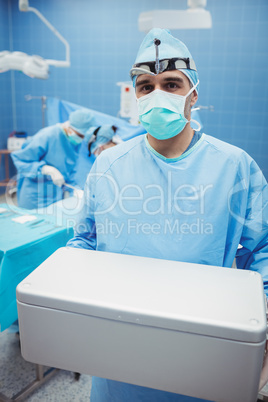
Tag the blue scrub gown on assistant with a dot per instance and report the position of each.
(196, 208)
(83, 165)
(50, 146)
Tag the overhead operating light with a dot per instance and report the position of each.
(195, 17)
(34, 66)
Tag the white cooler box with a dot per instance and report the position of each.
(185, 328)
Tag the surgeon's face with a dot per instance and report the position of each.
(109, 144)
(174, 82)
(71, 131)
(170, 81)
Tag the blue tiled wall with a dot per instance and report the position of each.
(6, 123)
(104, 38)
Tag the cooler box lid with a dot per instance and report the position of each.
(200, 299)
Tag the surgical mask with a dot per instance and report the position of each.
(162, 113)
(74, 138)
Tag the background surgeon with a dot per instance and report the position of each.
(48, 160)
(100, 138)
(197, 197)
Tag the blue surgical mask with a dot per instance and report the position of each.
(162, 113)
(74, 138)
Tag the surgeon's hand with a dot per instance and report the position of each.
(264, 372)
(54, 173)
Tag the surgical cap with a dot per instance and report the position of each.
(169, 48)
(90, 132)
(104, 135)
(81, 120)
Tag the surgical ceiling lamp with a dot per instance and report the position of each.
(34, 66)
(195, 17)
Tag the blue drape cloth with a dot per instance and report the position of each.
(58, 111)
(23, 247)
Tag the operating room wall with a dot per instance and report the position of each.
(104, 38)
(6, 123)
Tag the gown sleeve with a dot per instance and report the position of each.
(30, 159)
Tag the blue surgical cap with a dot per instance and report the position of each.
(90, 132)
(104, 135)
(81, 120)
(169, 48)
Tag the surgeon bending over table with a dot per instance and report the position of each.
(173, 193)
(48, 160)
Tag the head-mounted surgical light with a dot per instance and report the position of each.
(150, 67)
(160, 52)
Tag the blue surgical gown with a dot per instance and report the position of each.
(198, 208)
(50, 146)
(83, 165)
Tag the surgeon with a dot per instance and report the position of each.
(174, 193)
(100, 138)
(48, 160)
